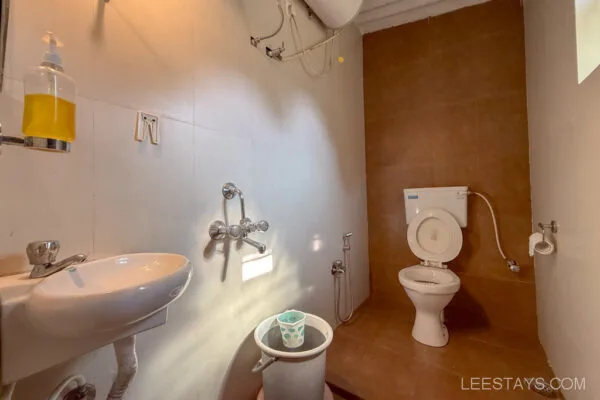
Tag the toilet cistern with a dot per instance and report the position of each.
(42, 255)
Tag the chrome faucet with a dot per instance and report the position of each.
(219, 230)
(42, 256)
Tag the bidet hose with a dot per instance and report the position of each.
(7, 391)
(347, 290)
(497, 233)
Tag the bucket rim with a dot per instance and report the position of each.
(328, 333)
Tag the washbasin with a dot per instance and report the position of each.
(107, 294)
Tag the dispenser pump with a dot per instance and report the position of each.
(52, 58)
(50, 94)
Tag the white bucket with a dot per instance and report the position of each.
(293, 375)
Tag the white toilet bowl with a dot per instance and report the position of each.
(430, 289)
(435, 237)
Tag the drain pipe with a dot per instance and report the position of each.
(74, 387)
(127, 367)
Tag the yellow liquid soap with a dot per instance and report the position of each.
(49, 117)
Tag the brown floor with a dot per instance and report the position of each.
(375, 357)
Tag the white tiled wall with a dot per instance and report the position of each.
(295, 145)
(564, 132)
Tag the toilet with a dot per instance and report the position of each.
(434, 235)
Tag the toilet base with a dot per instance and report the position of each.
(430, 329)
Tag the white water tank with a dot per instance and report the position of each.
(335, 13)
(452, 199)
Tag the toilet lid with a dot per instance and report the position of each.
(434, 235)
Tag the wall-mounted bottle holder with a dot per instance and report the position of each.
(35, 143)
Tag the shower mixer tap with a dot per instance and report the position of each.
(219, 230)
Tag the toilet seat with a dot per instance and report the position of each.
(429, 280)
(434, 236)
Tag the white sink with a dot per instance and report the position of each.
(107, 294)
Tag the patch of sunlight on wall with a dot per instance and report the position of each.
(587, 19)
(254, 266)
(317, 243)
(218, 321)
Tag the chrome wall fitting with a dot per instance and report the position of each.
(338, 268)
(219, 230)
(552, 226)
(275, 54)
(229, 191)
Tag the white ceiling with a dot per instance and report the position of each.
(381, 14)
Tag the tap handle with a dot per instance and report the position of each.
(43, 252)
(262, 226)
(217, 230)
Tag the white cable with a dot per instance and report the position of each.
(312, 47)
(494, 221)
(305, 56)
(303, 52)
(276, 32)
(7, 391)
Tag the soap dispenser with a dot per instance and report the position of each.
(49, 114)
